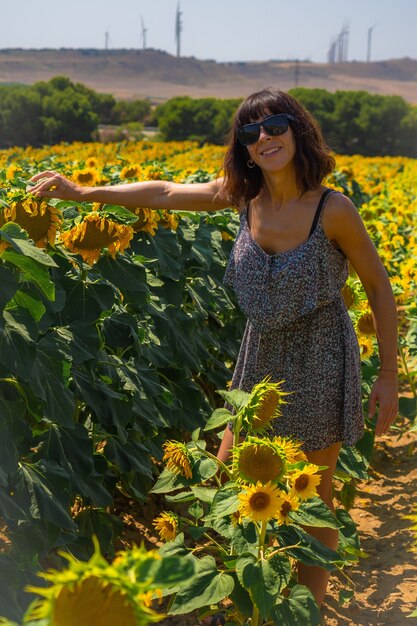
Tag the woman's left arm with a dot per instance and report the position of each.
(344, 226)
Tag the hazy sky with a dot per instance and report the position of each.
(224, 30)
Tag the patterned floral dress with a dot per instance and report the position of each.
(298, 330)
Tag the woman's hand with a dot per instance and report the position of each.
(50, 184)
(385, 394)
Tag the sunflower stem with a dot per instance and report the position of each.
(262, 535)
(407, 371)
(220, 463)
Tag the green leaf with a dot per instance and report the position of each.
(345, 596)
(261, 581)
(49, 379)
(17, 349)
(123, 215)
(218, 418)
(236, 398)
(314, 512)
(310, 551)
(32, 271)
(21, 299)
(125, 273)
(9, 233)
(299, 609)
(174, 547)
(205, 494)
(225, 502)
(207, 587)
(196, 510)
(45, 503)
(353, 463)
(9, 285)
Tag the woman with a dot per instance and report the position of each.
(287, 267)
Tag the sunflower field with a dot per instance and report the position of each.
(115, 334)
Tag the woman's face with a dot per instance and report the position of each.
(272, 153)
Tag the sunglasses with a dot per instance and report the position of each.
(273, 125)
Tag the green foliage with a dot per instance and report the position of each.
(97, 366)
(204, 119)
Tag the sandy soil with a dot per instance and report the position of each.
(385, 583)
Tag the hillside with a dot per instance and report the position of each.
(158, 75)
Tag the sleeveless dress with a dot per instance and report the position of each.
(298, 330)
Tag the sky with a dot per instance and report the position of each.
(223, 30)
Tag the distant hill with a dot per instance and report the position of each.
(158, 75)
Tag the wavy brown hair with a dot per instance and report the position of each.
(313, 161)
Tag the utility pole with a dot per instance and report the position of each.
(144, 31)
(106, 40)
(178, 29)
(368, 51)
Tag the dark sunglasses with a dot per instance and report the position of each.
(272, 125)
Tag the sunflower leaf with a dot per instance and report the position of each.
(218, 418)
(298, 609)
(314, 512)
(237, 398)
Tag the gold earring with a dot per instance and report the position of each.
(251, 164)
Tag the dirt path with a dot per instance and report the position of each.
(386, 581)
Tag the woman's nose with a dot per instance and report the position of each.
(262, 133)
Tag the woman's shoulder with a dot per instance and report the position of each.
(339, 213)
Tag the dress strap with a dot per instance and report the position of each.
(318, 210)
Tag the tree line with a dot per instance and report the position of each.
(353, 122)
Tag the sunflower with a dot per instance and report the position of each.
(147, 221)
(178, 458)
(365, 324)
(291, 448)
(91, 162)
(40, 220)
(366, 346)
(130, 171)
(259, 461)
(95, 592)
(288, 503)
(169, 220)
(263, 406)
(167, 525)
(304, 482)
(94, 233)
(260, 502)
(89, 176)
(348, 296)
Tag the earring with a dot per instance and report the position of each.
(251, 164)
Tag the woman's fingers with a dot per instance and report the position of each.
(42, 175)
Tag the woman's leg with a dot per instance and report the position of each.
(316, 578)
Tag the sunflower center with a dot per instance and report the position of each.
(260, 464)
(301, 482)
(259, 501)
(366, 324)
(285, 508)
(85, 177)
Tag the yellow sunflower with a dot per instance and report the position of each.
(260, 502)
(95, 592)
(259, 461)
(89, 176)
(167, 525)
(291, 448)
(93, 233)
(366, 346)
(130, 171)
(147, 221)
(304, 482)
(263, 406)
(169, 220)
(348, 296)
(288, 503)
(40, 220)
(178, 458)
(365, 324)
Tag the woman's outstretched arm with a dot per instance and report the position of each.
(153, 194)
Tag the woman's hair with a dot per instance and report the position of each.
(312, 160)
